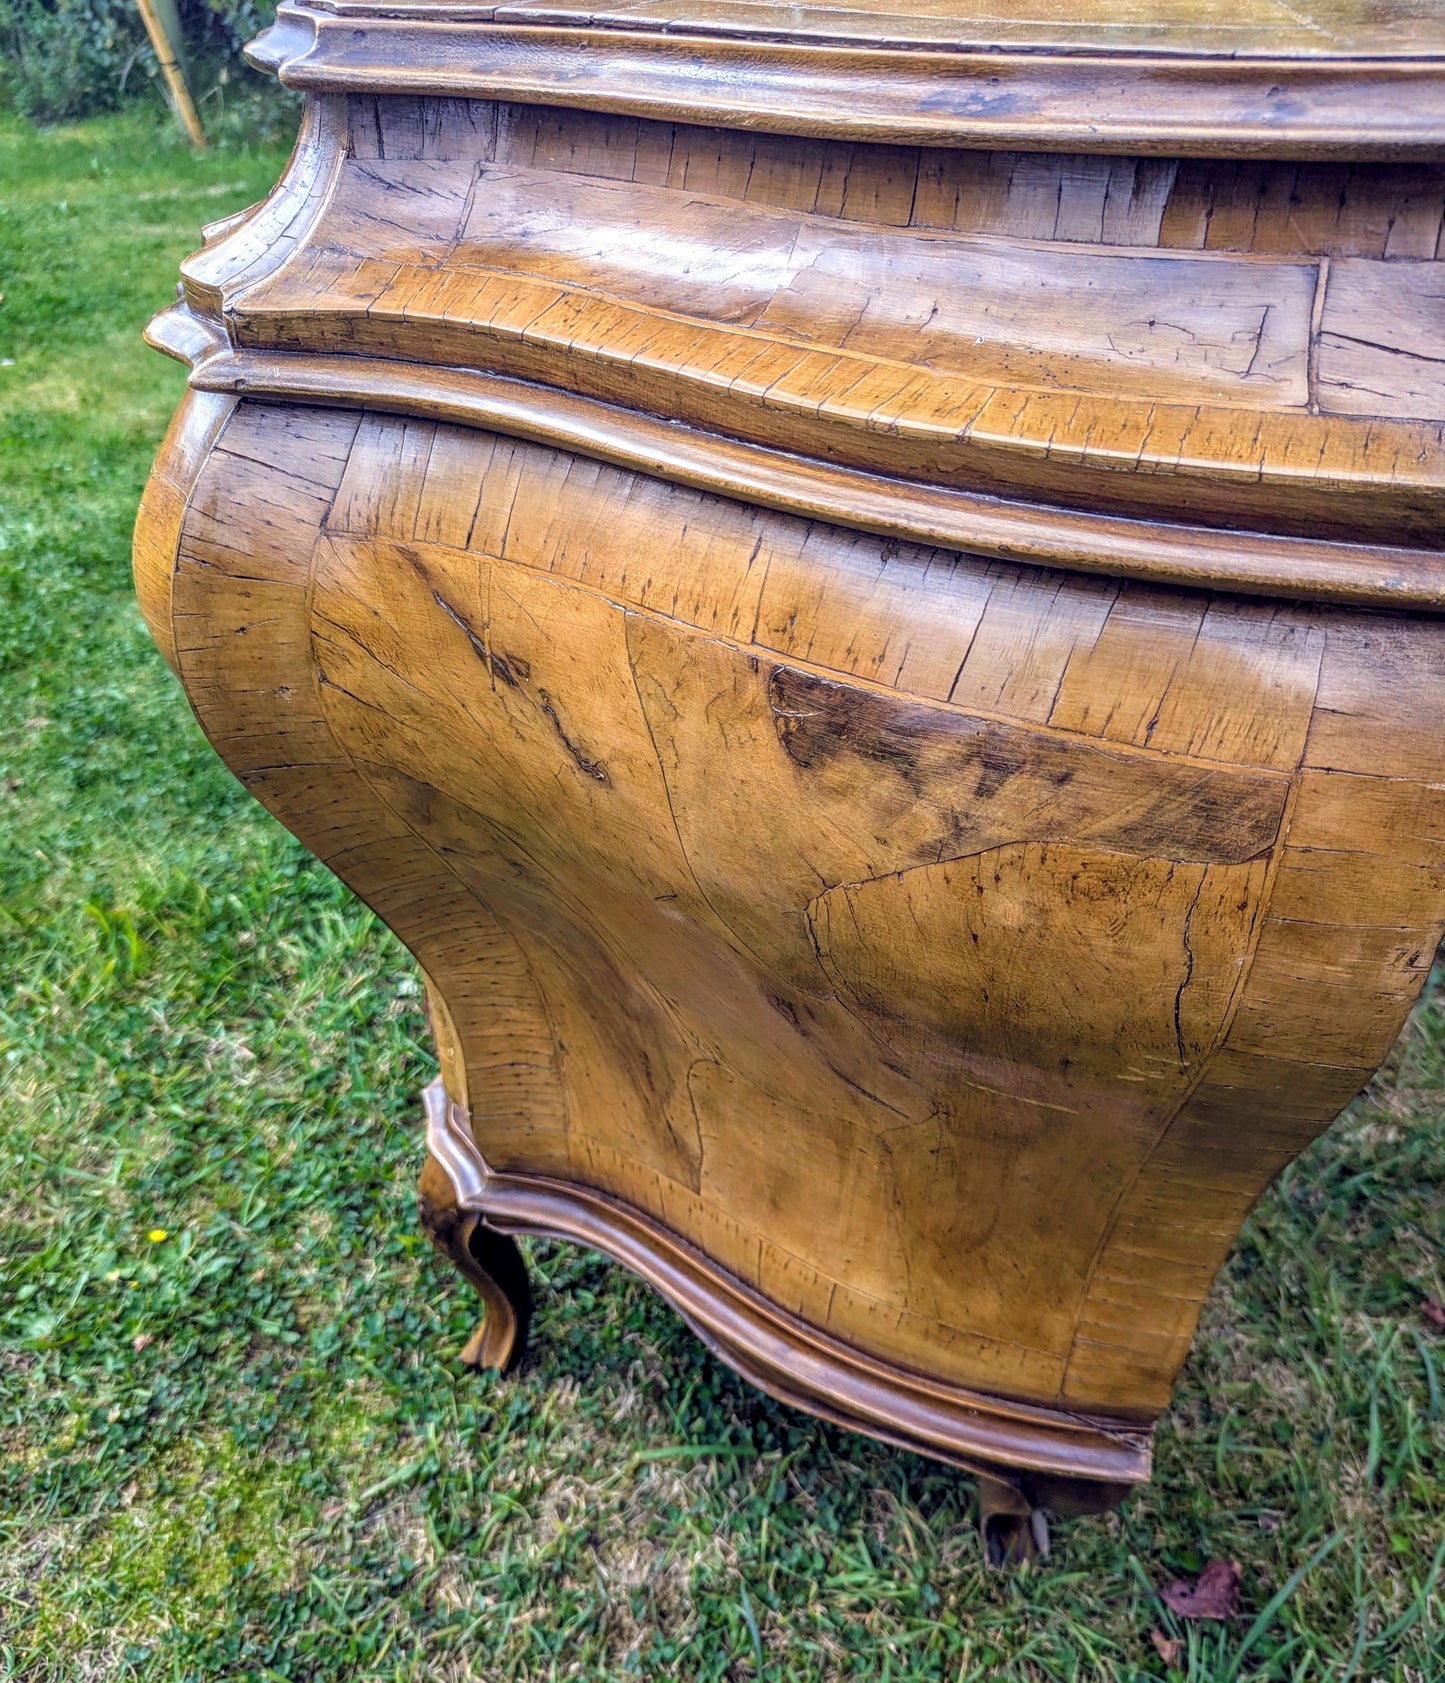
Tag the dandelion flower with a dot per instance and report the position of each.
(156, 1234)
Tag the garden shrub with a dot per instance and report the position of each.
(67, 59)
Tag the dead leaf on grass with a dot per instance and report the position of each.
(1169, 1648)
(1434, 1313)
(1214, 1595)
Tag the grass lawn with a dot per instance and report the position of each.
(235, 1440)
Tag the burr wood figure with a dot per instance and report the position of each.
(862, 589)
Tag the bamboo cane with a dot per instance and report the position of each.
(175, 77)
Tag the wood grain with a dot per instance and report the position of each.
(879, 642)
(1214, 387)
(556, 724)
(1287, 93)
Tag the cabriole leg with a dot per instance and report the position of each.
(1014, 1530)
(490, 1261)
(1013, 1510)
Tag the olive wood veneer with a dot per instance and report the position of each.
(894, 687)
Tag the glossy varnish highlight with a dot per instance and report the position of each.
(894, 691)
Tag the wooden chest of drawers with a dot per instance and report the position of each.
(862, 590)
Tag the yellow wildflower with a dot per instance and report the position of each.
(156, 1234)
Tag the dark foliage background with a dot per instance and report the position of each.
(67, 59)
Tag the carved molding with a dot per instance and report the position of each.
(791, 1361)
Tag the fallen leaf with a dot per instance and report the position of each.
(1434, 1313)
(1169, 1648)
(141, 1339)
(1214, 1595)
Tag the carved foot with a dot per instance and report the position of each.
(1014, 1530)
(1013, 1510)
(490, 1261)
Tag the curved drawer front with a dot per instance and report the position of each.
(954, 322)
(894, 690)
(950, 950)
